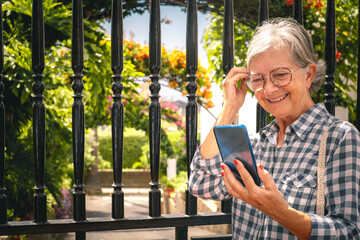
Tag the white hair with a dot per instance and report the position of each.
(286, 32)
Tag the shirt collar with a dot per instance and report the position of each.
(301, 127)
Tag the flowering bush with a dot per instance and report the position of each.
(64, 209)
(314, 12)
(173, 67)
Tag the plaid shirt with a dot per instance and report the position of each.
(293, 168)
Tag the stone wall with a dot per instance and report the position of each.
(132, 178)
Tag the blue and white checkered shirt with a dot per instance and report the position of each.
(293, 167)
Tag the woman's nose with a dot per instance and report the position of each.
(269, 86)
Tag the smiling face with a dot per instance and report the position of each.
(289, 102)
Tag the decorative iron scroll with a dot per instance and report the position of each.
(117, 108)
(38, 63)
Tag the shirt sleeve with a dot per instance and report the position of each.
(205, 179)
(342, 189)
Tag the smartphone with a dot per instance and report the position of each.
(234, 143)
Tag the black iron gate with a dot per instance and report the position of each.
(80, 224)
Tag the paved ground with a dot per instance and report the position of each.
(136, 203)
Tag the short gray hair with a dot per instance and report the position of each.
(286, 32)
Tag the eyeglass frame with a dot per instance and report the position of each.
(248, 79)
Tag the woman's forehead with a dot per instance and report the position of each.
(271, 59)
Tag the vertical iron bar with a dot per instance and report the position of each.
(78, 118)
(298, 11)
(263, 11)
(228, 37)
(38, 59)
(228, 62)
(330, 56)
(191, 86)
(261, 114)
(3, 197)
(357, 121)
(117, 108)
(154, 108)
(181, 233)
(80, 235)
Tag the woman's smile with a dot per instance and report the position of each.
(278, 99)
(288, 102)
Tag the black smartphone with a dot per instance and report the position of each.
(234, 143)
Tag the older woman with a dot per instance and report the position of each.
(283, 70)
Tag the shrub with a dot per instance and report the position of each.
(133, 141)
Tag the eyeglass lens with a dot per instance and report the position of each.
(279, 76)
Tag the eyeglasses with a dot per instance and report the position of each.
(280, 77)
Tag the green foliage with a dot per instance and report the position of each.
(19, 162)
(133, 141)
(314, 21)
(213, 44)
(178, 182)
(173, 146)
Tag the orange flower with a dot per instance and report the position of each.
(177, 59)
(208, 95)
(207, 82)
(209, 104)
(67, 79)
(62, 52)
(338, 55)
(173, 84)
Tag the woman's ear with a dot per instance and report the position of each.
(310, 75)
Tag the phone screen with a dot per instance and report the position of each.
(234, 143)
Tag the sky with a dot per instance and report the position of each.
(173, 35)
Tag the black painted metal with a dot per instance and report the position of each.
(216, 237)
(228, 61)
(79, 223)
(38, 63)
(117, 108)
(106, 224)
(298, 11)
(191, 86)
(78, 118)
(228, 37)
(357, 121)
(263, 11)
(154, 109)
(261, 114)
(181, 233)
(330, 56)
(3, 197)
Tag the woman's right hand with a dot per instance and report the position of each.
(233, 99)
(234, 96)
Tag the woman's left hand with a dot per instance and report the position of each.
(266, 198)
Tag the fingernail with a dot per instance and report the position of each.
(236, 162)
(222, 173)
(261, 167)
(222, 166)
